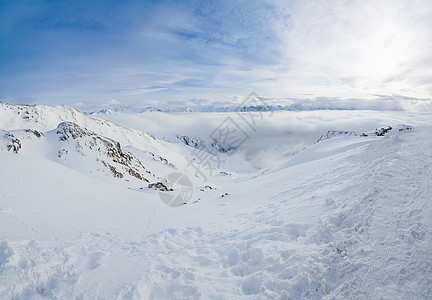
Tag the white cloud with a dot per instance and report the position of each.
(361, 47)
(160, 51)
(111, 102)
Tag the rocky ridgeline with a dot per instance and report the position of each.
(108, 152)
(191, 142)
(70, 142)
(215, 146)
(383, 131)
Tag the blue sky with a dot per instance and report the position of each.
(101, 53)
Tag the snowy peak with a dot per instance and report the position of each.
(41, 117)
(68, 130)
(124, 110)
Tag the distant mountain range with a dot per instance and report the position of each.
(210, 108)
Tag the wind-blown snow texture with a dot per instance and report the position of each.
(346, 218)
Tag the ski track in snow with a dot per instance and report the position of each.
(372, 241)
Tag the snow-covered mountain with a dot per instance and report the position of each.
(347, 217)
(79, 149)
(92, 146)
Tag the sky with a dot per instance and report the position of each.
(155, 53)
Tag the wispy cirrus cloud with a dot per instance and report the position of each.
(142, 51)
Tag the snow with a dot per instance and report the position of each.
(346, 218)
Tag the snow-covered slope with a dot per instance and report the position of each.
(347, 218)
